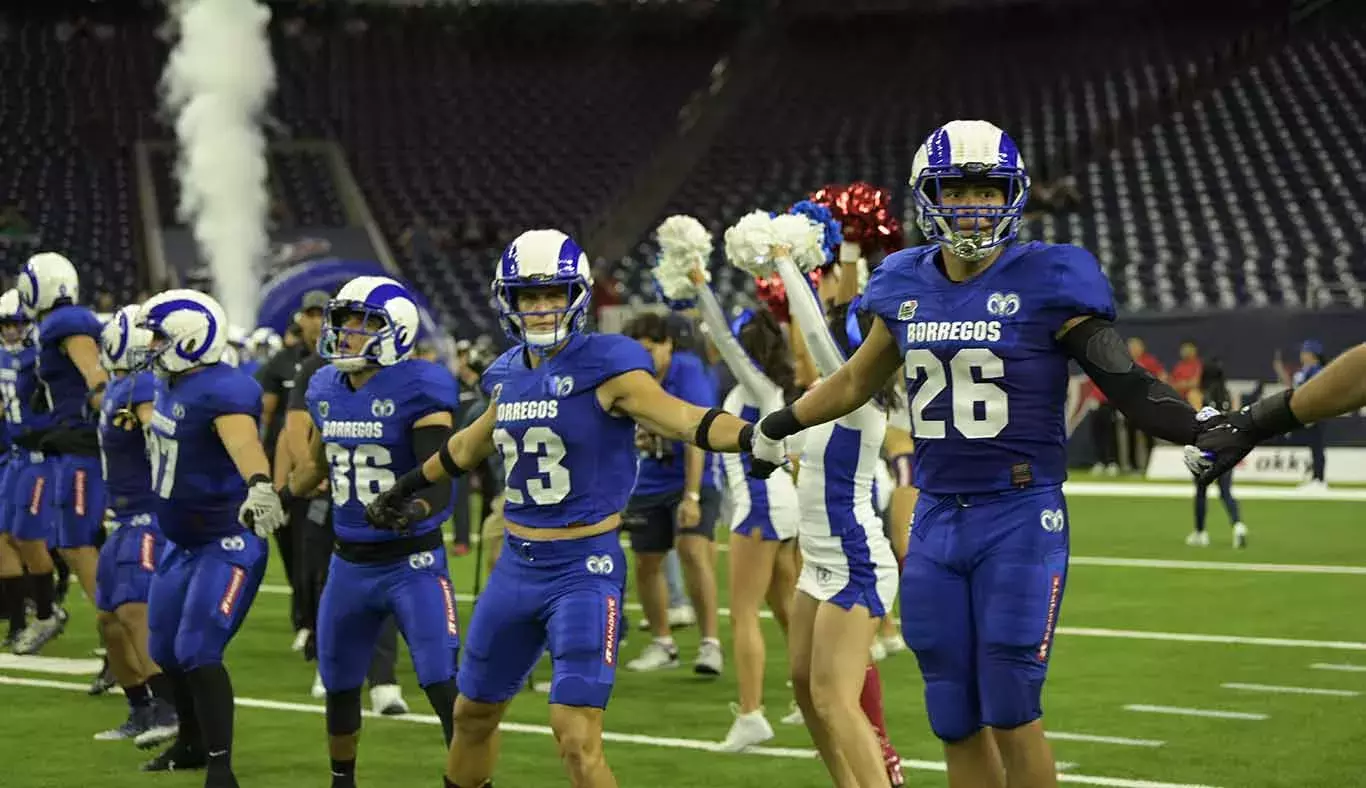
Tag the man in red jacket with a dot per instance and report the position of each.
(1141, 444)
(1187, 373)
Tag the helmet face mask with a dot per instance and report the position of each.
(970, 187)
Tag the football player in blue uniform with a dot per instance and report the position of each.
(73, 383)
(561, 418)
(209, 471)
(984, 329)
(128, 559)
(379, 414)
(25, 516)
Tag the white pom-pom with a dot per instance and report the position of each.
(804, 237)
(749, 244)
(684, 245)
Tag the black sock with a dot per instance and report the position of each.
(160, 687)
(42, 594)
(214, 702)
(343, 773)
(15, 589)
(138, 695)
(189, 736)
(442, 696)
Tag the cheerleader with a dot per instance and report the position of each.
(763, 513)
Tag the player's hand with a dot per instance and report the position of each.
(111, 523)
(393, 512)
(689, 513)
(262, 511)
(1223, 441)
(768, 455)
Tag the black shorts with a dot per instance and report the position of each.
(651, 519)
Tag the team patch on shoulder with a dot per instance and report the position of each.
(907, 309)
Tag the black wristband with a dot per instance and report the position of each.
(781, 423)
(1272, 416)
(746, 439)
(257, 478)
(702, 438)
(448, 463)
(411, 483)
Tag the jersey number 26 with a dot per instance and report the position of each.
(960, 376)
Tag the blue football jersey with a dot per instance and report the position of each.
(66, 387)
(985, 376)
(123, 448)
(687, 379)
(565, 461)
(368, 436)
(18, 381)
(195, 479)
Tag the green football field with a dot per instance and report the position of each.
(1173, 666)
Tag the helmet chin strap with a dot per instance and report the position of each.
(967, 248)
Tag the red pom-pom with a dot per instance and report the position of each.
(772, 293)
(865, 215)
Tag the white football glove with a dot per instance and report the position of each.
(768, 455)
(262, 512)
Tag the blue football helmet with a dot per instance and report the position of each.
(538, 259)
(972, 152)
(389, 324)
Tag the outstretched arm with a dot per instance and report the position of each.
(639, 395)
(1150, 404)
(852, 385)
(1339, 388)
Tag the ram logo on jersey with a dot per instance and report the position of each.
(953, 331)
(532, 409)
(1003, 304)
(353, 429)
(382, 408)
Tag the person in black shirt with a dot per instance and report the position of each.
(1215, 394)
(277, 377)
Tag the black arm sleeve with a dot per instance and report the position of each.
(426, 442)
(1153, 406)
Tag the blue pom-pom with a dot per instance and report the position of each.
(833, 234)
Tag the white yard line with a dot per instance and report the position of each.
(628, 738)
(1218, 566)
(1094, 739)
(1262, 492)
(1185, 712)
(1097, 632)
(1339, 667)
(1273, 688)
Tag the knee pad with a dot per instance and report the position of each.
(1011, 690)
(953, 710)
(343, 712)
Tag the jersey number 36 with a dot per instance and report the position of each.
(358, 474)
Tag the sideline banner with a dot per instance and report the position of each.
(1269, 464)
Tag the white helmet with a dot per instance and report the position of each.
(123, 344)
(972, 151)
(189, 329)
(12, 312)
(47, 280)
(388, 320)
(536, 259)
